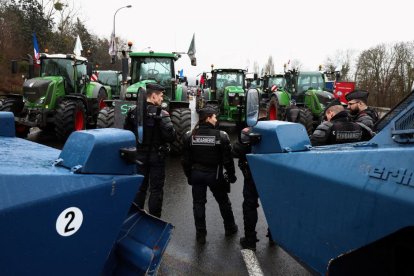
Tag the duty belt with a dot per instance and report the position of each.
(204, 168)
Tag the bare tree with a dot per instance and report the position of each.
(269, 67)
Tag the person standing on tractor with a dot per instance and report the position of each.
(206, 151)
(250, 195)
(158, 132)
(338, 128)
(361, 113)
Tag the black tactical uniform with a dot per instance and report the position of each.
(158, 132)
(368, 116)
(250, 195)
(339, 130)
(204, 155)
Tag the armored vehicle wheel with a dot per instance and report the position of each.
(181, 119)
(105, 117)
(70, 116)
(14, 105)
(273, 109)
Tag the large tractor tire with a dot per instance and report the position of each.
(274, 111)
(98, 105)
(181, 119)
(301, 115)
(15, 105)
(70, 116)
(106, 117)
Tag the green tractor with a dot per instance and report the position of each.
(225, 92)
(62, 99)
(152, 67)
(299, 97)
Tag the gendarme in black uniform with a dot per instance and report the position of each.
(158, 132)
(340, 129)
(206, 151)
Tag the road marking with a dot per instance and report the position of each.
(252, 264)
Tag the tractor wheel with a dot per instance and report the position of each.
(70, 116)
(273, 110)
(306, 119)
(105, 117)
(12, 105)
(98, 105)
(181, 119)
(215, 107)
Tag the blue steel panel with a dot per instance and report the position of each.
(7, 128)
(281, 136)
(331, 200)
(90, 150)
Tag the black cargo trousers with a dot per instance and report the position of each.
(200, 180)
(250, 205)
(153, 170)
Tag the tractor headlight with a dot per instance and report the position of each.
(128, 96)
(241, 94)
(164, 105)
(231, 94)
(134, 95)
(41, 100)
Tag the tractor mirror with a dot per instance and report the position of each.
(196, 82)
(255, 76)
(14, 66)
(89, 69)
(124, 69)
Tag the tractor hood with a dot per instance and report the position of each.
(324, 97)
(233, 89)
(34, 89)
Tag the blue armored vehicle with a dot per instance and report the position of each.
(67, 212)
(344, 209)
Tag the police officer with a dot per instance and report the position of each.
(361, 113)
(250, 195)
(206, 150)
(158, 132)
(338, 128)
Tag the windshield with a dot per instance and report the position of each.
(278, 81)
(158, 69)
(58, 67)
(310, 81)
(225, 79)
(108, 78)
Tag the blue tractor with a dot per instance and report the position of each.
(345, 209)
(67, 212)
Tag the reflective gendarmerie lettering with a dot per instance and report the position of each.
(348, 135)
(204, 140)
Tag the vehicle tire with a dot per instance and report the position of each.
(181, 119)
(98, 105)
(70, 116)
(14, 105)
(106, 117)
(215, 107)
(274, 111)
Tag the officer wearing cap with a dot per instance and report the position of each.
(338, 128)
(158, 132)
(250, 195)
(206, 151)
(357, 105)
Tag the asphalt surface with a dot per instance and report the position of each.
(220, 255)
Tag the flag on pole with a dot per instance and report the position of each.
(112, 46)
(181, 73)
(192, 51)
(78, 47)
(36, 50)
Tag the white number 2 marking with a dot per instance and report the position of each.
(69, 221)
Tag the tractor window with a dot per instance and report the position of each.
(306, 82)
(81, 70)
(279, 82)
(158, 69)
(225, 79)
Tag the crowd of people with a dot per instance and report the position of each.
(208, 157)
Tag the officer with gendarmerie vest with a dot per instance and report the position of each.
(359, 110)
(158, 131)
(338, 128)
(206, 152)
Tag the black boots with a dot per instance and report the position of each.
(231, 230)
(247, 243)
(201, 238)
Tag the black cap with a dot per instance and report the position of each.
(154, 87)
(206, 112)
(361, 95)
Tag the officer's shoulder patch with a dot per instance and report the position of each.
(203, 140)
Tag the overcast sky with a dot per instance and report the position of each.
(232, 33)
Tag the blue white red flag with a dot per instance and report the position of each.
(36, 50)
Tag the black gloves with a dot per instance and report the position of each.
(231, 178)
